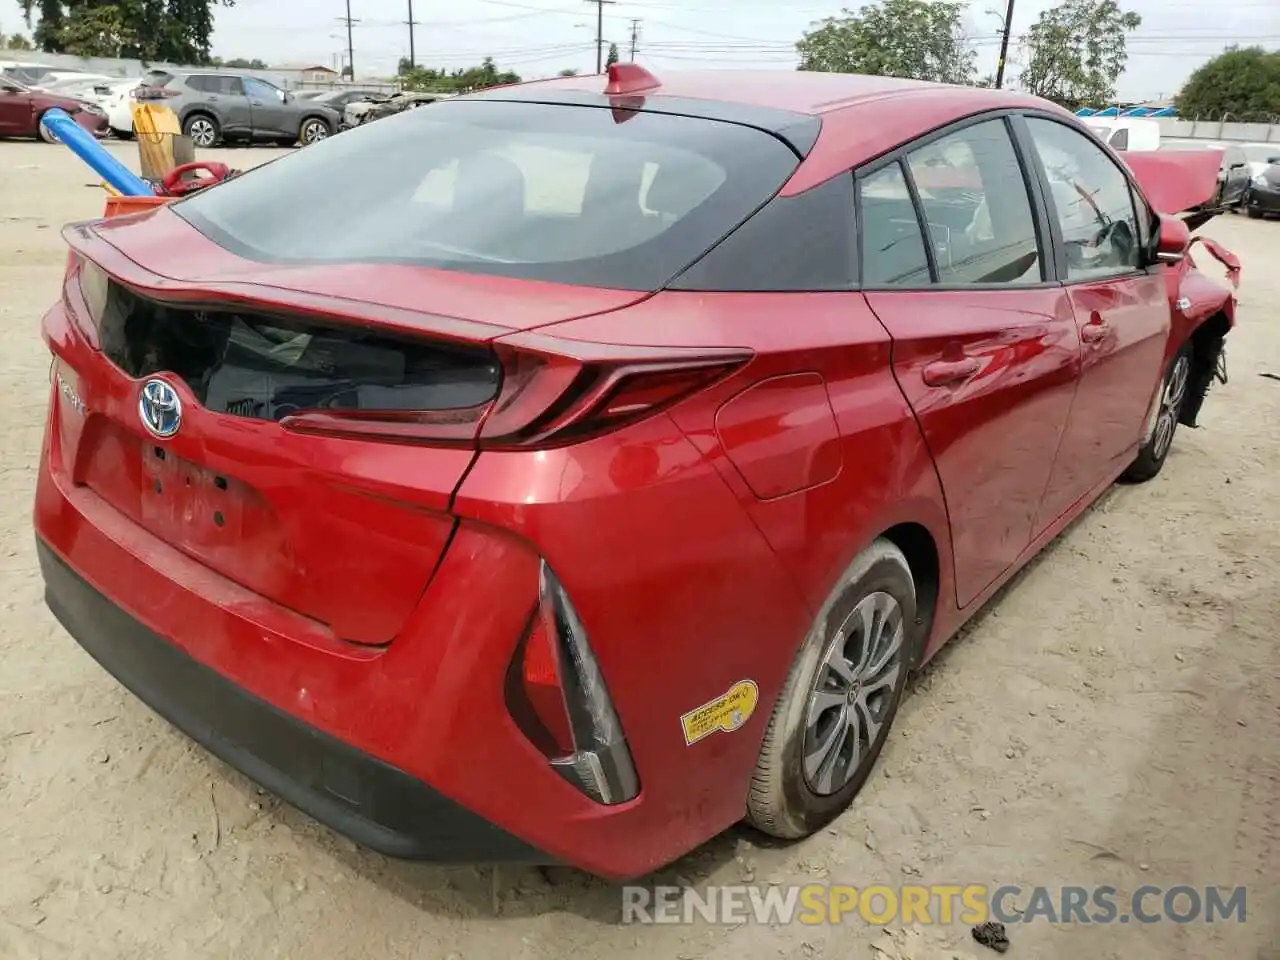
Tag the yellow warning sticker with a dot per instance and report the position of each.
(725, 714)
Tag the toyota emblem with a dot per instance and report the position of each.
(160, 408)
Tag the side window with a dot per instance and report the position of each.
(260, 90)
(799, 243)
(1120, 139)
(976, 207)
(893, 251)
(203, 84)
(230, 86)
(1092, 203)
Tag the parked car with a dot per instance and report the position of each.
(1126, 133)
(21, 109)
(379, 106)
(339, 99)
(25, 73)
(213, 107)
(1258, 155)
(525, 479)
(84, 85)
(1263, 198)
(1233, 171)
(118, 102)
(62, 81)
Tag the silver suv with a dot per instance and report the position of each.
(215, 107)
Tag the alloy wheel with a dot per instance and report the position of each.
(202, 132)
(853, 692)
(1175, 391)
(314, 131)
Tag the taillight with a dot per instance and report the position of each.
(563, 688)
(553, 393)
(540, 684)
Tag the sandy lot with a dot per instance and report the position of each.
(1112, 718)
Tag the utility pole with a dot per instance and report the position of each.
(413, 58)
(351, 48)
(1004, 45)
(635, 38)
(600, 32)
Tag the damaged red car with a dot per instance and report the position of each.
(568, 471)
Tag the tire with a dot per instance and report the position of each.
(203, 130)
(314, 129)
(44, 135)
(122, 134)
(1167, 408)
(793, 796)
(285, 142)
(1253, 213)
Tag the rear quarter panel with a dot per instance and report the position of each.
(832, 469)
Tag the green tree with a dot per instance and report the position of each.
(98, 32)
(173, 30)
(457, 81)
(893, 38)
(567, 72)
(1076, 51)
(241, 63)
(16, 41)
(1243, 83)
(613, 57)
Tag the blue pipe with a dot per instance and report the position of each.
(83, 144)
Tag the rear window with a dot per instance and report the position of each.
(565, 194)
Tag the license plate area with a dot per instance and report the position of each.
(184, 503)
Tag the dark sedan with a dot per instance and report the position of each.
(1263, 198)
(339, 99)
(21, 109)
(1233, 178)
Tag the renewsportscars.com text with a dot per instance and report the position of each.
(815, 904)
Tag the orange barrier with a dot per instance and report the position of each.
(118, 206)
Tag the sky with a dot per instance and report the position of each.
(537, 38)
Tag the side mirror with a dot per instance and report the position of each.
(1173, 240)
(1273, 159)
(284, 96)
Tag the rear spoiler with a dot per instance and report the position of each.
(1178, 182)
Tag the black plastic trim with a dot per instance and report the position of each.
(375, 804)
(797, 130)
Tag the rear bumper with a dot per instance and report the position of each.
(370, 801)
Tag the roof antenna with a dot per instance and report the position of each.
(629, 78)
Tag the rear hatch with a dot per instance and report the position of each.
(332, 327)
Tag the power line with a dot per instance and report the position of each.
(599, 31)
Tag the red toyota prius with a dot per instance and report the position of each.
(567, 471)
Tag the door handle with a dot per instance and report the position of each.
(1095, 330)
(942, 373)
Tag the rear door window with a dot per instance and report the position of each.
(893, 251)
(567, 194)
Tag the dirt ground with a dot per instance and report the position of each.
(1112, 718)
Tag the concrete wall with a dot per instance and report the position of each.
(1171, 128)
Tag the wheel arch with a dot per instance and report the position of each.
(921, 550)
(198, 110)
(308, 117)
(1207, 341)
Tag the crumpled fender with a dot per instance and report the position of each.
(1222, 255)
(1175, 181)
